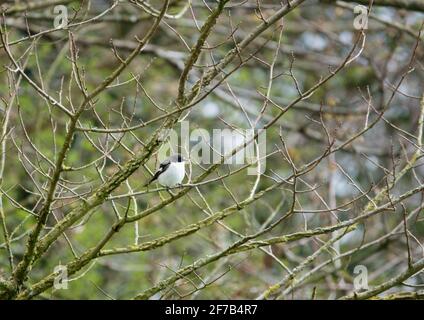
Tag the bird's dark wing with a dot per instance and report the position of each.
(162, 167)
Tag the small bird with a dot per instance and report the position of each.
(171, 172)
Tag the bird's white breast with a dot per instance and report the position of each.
(173, 175)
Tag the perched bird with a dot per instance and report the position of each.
(171, 172)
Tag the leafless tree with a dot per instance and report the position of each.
(92, 92)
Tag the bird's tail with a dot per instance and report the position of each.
(150, 181)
